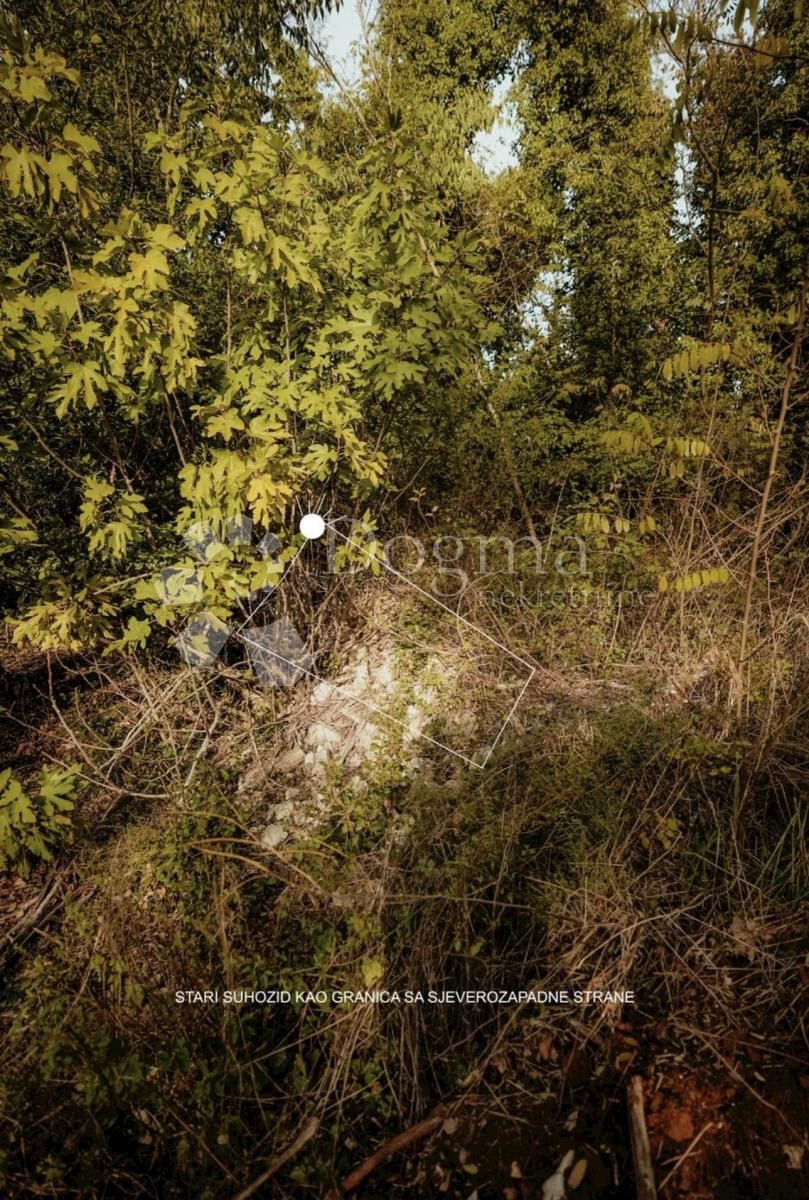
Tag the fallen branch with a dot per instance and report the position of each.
(641, 1150)
(27, 924)
(402, 1140)
(305, 1136)
(690, 1150)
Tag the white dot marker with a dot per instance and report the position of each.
(312, 526)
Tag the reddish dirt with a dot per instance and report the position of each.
(679, 1110)
(711, 1137)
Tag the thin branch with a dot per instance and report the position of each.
(400, 1142)
(308, 1131)
(786, 392)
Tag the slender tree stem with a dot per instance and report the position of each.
(786, 392)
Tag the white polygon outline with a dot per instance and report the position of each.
(304, 543)
(457, 617)
(366, 704)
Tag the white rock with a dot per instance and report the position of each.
(283, 811)
(273, 835)
(358, 684)
(416, 720)
(362, 742)
(383, 675)
(367, 735)
(290, 759)
(252, 778)
(320, 735)
(425, 695)
(315, 762)
(322, 693)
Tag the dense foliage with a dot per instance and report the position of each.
(224, 290)
(233, 288)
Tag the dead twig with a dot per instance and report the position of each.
(307, 1132)
(641, 1151)
(402, 1140)
(690, 1149)
(27, 924)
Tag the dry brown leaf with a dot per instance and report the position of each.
(679, 1126)
(794, 1155)
(577, 1173)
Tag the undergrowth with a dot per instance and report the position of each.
(625, 835)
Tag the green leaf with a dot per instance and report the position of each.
(164, 237)
(251, 225)
(83, 379)
(82, 141)
(371, 971)
(22, 170)
(31, 88)
(150, 269)
(59, 169)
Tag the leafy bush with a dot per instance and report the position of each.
(32, 825)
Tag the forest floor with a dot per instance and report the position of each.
(621, 837)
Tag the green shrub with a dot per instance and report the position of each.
(32, 825)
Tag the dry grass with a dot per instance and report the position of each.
(626, 835)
